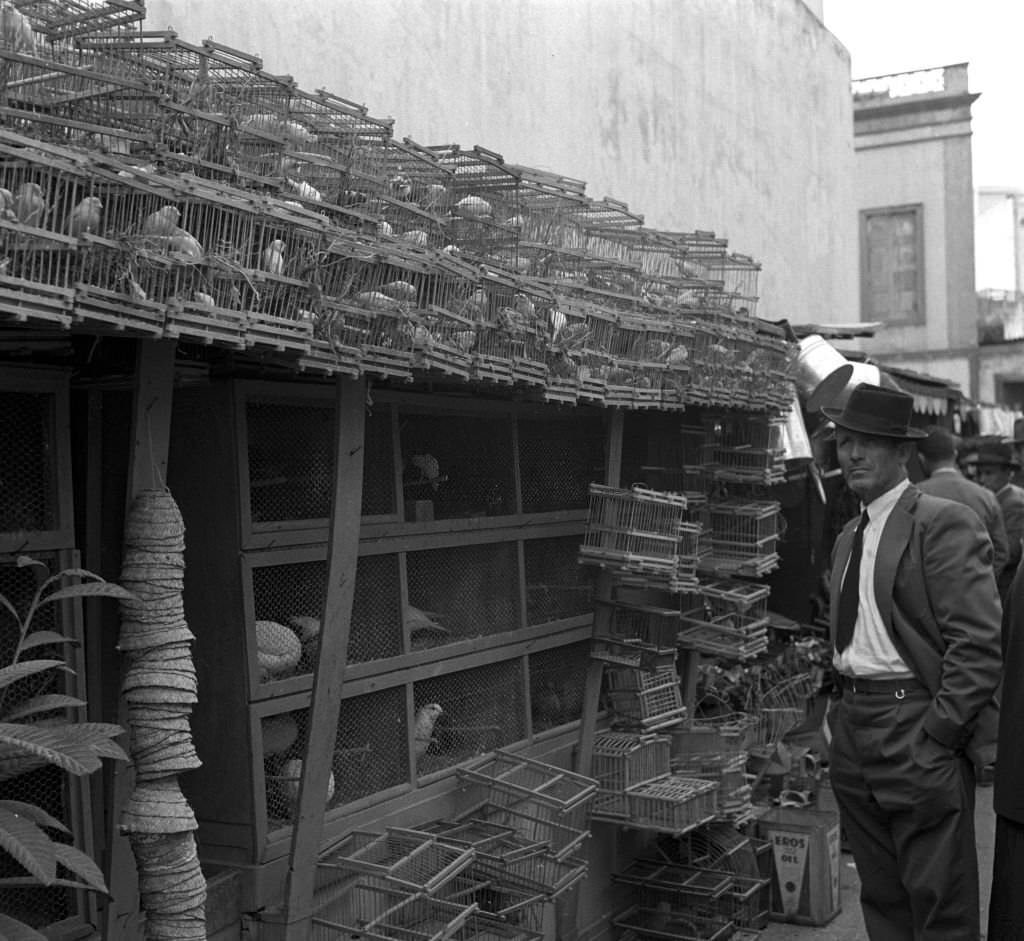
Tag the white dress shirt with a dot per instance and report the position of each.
(871, 652)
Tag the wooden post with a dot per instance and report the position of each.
(343, 555)
(567, 906)
(147, 469)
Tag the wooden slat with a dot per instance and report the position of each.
(343, 554)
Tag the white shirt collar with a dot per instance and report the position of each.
(881, 506)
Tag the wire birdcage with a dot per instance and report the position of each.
(622, 759)
(744, 536)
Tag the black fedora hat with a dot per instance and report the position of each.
(872, 410)
(997, 453)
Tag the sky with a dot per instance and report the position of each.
(888, 36)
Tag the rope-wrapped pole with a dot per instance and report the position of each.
(159, 689)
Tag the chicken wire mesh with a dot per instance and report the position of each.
(28, 462)
(283, 742)
(288, 601)
(480, 710)
(457, 466)
(26, 778)
(557, 680)
(371, 746)
(376, 629)
(557, 586)
(290, 459)
(558, 460)
(467, 591)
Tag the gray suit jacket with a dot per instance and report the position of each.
(937, 595)
(952, 485)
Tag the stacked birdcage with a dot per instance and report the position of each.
(484, 204)
(338, 165)
(510, 315)
(744, 536)
(634, 635)
(645, 698)
(640, 535)
(620, 760)
(711, 752)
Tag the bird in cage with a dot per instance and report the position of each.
(423, 729)
(201, 297)
(85, 217)
(162, 223)
(401, 187)
(7, 205)
(272, 259)
(428, 466)
(29, 204)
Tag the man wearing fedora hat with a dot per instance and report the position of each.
(995, 463)
(914, 617)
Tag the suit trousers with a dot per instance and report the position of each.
(907, 808)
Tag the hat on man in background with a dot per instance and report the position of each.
(995, 454)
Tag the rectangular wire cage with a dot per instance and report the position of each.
(374, 912)
(410, 859)
(533, 786)
(672, 804)
(559, 838)
(487, 839)
(641, 922)
(645, 699)
(622, 759)
(736, 636)
(744, 536)
(502, 907)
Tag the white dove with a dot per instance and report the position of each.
(163, 222)
(29, 204)
(85, 217)
(272, 259)
(423, 730)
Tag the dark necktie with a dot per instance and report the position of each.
(849, 594)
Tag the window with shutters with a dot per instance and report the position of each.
(892, 265)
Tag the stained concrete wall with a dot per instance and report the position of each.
(728, 115)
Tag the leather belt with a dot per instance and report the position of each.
(879, 686)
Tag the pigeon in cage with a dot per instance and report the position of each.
(85, 217)
(401, 187)
(429, 468)
(201, 297)
(423, 729)
(29, 204)
(272, 259)
(162, 223)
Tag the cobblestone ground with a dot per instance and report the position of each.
(848, 924)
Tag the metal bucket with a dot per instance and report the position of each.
(820, 371)
(795, 443)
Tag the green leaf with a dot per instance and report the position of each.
(46, 703)
(89, 590)
(24, 560)
(77, 862)
(54, 745)
(29, 846)
(45, 639)
(13, 930)
(36, 814)
(18, 671)
(10, 607)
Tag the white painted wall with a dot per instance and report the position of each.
(916, 177)
(728, 115)
(995, 265)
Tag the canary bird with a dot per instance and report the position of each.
(85, 217)
(163, 222)
(272, 259)
(426, 717)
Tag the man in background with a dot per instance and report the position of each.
(938, 457)
(996, 463)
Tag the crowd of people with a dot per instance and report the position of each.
(927, 619)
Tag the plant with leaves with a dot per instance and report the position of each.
(38, 727)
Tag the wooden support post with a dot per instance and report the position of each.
(567, 906)
(147, 469)
(343, 555)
